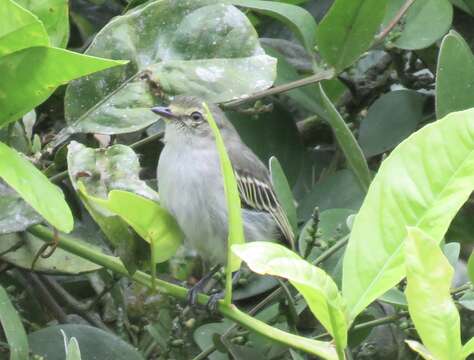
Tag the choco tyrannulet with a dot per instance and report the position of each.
(191, 184)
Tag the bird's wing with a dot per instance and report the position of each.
(256, 190)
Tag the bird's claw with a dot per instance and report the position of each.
(213, 302)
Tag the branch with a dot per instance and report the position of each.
(323, 75)
(383, 34)
(86, 251)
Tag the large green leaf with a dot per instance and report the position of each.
(295, 17)
(348, 29)
(424, 23)
(30, 76)
(431, 307)
(390, 119)
(236, 227)
(318, 289)
(35, 188)
(101, 171)
(454, 75)
(423, 183)
(19, 29)
(54, 14)
(13, 328)
(151, 221)
(94, 343)
(195, 47)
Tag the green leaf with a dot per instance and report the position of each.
(390, 119)
(283, 192)
(19, 29)
(54, 14)
(236, 228)
(101, 171)
(468, 348)
(299, 20)
(431, 307)
(318, 289)
(465, 5)
(13, 328)
(422, 183)
(348, 30)
(454, 75)
(35, 188)
(94, 343)
(347, 142)
(430, 18)
(151, 221)
(470, 267)
(73, 351)
(24, 86)
(196, 47)
(420, 349)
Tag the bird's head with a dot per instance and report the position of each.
(185, 116)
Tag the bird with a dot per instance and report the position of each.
(191, 186)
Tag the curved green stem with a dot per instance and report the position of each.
(86, 251)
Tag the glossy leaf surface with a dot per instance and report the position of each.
(193, 47)
(318, 289)
(151, 221)
(422, 183)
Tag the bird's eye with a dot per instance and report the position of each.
(196, 116)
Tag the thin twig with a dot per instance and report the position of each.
(383, 34)
(46, 298)
(323, 75)
(372, 323)
(77, 306)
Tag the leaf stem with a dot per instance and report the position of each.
(323, 75)
(86, 251)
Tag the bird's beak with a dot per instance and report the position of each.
(163, 111)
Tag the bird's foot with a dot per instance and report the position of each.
(213, 302)
(199, 287)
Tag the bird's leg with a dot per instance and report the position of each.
(200, 285)
(214, 298)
